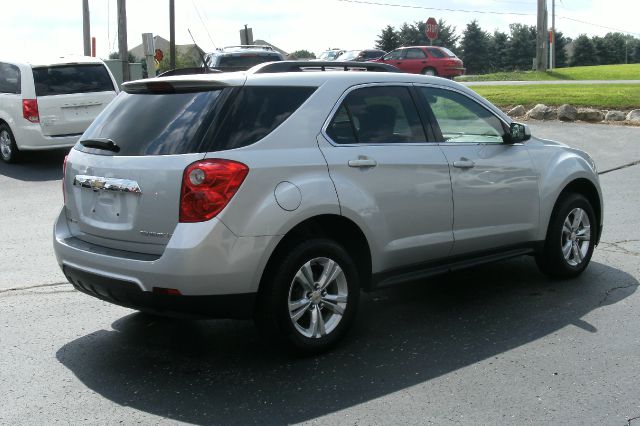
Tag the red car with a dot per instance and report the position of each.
(428, 60)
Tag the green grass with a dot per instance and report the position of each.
(600, 72)
(622, 96)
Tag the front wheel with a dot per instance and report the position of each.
(569, 244)
(311, 297)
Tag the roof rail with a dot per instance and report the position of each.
(249, 46)
(296, 66)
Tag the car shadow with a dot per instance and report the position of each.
(36, 166)
(222, 372)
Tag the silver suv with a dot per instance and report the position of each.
(281, 195)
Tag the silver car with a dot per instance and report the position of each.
(280, 196)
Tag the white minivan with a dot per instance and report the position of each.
(49, 104)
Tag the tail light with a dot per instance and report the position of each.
(208, 186)
(64, 178)
(30, 110)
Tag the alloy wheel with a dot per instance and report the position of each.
(318, 297)
(5, 144)
(576, 236)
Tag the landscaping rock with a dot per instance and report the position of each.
(567, 113)
(518, 111)
(542, 112)
(634, 115)
(590, 114)
(615, 116)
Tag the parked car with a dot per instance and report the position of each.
(48, 104)
(361, 55)
(428, 60)
(241, 58)
(281, 195)
(329, 55)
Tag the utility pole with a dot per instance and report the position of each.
(541, 39)
(122, 39)
(552, 39)
(172, 35)
(86, 28)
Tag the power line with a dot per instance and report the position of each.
(597, 25)
(437, 8)
(202, 22)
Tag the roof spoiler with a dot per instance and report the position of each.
(296, 66)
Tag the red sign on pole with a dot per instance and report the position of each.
(431, 29)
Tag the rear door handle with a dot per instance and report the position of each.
(464, 163)
(363, 162)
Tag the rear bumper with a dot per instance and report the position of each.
(201, 260)
(128, 294)
(30, 138)
(454, 71)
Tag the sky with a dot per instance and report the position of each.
(54, 27)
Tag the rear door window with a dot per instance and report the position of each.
(377, 115)
(415, 54)
(9, 78)
(68, 79)
(256, 112)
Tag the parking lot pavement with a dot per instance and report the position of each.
(497, 344)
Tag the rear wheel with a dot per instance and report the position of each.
(429, 71)
(311, 297)
(8, 148)
(569, 244)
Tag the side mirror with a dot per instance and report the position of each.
(518, 132)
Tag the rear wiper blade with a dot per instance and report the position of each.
(101, 143)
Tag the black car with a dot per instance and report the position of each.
(241, 58)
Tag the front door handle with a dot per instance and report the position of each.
(363, 162)
(464, 163)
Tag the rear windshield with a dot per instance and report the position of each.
(441, 52)
(67, 79)
(246, 60)
(183, 123)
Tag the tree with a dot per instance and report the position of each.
(388, 39)
(182, 61)
(474, 49)
(584, 52)
(522, 47)
(561, 49)
(409, 35)
(116, 55)
(447, 36)
(498, 44)
(302, 54)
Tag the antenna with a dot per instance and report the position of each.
(204, 63)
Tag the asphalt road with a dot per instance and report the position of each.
(497, 344)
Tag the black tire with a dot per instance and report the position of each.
(552, 260)
(280, 286)
(8, 149)
(429, 71)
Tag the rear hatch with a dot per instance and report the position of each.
(123, 178)
(71, 96)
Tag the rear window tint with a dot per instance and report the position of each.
(67, 79)
(9, 78)
(256, 112)
(155, 124)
